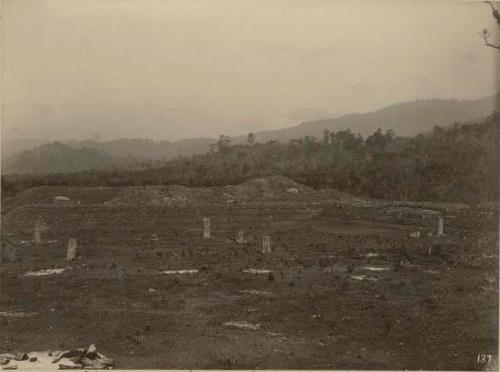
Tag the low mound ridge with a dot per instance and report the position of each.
(270, 188)
(46, 194)
(266, 188)
(273, 188)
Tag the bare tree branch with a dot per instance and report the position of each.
(495, 12)
(492, 45)
(485, 35)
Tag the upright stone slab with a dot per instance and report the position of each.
(206, 227)
(39, 227)
(440, 231)
(11, 252)
(155, 241)
(415, 235)
(38, 233)
(241, 237)
(71, 254)
(266, 244)
(8, 252)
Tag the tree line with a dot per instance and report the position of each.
(459, 163)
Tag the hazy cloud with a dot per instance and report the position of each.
(174, 69)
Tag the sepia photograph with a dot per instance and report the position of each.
(249, 185)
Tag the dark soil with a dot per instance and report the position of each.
(433, 309)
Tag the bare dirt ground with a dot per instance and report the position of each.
(348, 290)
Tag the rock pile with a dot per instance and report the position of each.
(80, 358)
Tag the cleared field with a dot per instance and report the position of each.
(347, 287)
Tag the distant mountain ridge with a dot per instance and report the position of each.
(123, 147)
(406, 119)
(147, 148)
(15, 145)
(55, 158)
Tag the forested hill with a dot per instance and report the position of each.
(406, 119)
(458, 163)
(55, 158)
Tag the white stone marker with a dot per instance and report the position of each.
(415, 234)
(38, 235)
(39, 227)
(240, 238)
(266, 244)
(440, 231)
(38, 232)
(71, 254)
(206, 227)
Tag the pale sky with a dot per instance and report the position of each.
(174, 69)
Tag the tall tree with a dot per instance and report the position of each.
(251, 138)
(223, 143)
(326, 137)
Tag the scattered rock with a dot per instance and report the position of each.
(363, 277)
(68, 364)
(257, 293)
(94, 364)
(14, 356)
(44, 272)
(68, 354)
(9, 366)
(91, 352)
(243, 325)
(431, 272)
(415, 235)
(61, 199)
(170, 272)
(19, 314)
(375, 268)
(257, 271)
